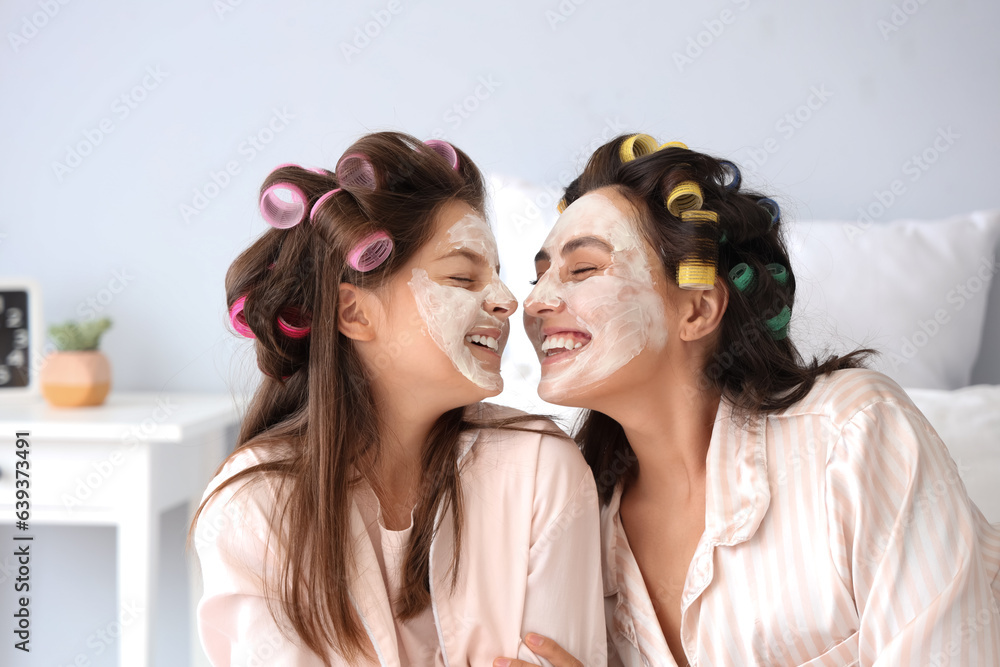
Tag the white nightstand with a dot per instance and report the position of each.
(121, 464)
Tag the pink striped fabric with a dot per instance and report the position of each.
(837, 532)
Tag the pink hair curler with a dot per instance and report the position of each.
(290, 330)
(445, 150)
(371, 252)
(238, 319)
(320, 201)
(283, 212)
(354, 170)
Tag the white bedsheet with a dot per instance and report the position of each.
(968, 421)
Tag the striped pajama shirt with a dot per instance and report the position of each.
(837, 532)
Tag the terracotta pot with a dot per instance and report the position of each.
(76, 378)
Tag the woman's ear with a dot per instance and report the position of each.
(702, 311)
(355, 317)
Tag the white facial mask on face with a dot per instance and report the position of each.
(621, 309)
(452, 312)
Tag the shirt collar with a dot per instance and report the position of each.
(737, 489)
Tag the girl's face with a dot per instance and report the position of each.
(599, 300)
(447, 314)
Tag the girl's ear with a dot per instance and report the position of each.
(702, 311)
(354, 315)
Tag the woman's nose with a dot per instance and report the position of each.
(542, 300)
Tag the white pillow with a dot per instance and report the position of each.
(914, 290)
(968, 421)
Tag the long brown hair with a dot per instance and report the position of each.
(753, 370)
(314, 415)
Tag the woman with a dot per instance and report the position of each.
(374, 511)
(756, 509)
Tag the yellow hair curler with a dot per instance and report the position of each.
(698, 273)
(686, 195)
(636, 146)
(699, 215)
(561, 206)
(673, 144)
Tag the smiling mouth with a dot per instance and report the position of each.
(564, 342)
(487, 342)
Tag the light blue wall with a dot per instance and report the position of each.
(561, 76)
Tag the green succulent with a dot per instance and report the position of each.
(79, 336)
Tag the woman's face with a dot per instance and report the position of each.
(447, 314)
(599, 299)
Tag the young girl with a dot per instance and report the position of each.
(757, 509)
(374, 512)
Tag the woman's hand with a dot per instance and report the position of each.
(544, 647)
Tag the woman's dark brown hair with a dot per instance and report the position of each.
(318, 428)
(752, 369)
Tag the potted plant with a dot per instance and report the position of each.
(78, 374)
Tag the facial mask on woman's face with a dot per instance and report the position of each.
(451, 313)
(609, 318)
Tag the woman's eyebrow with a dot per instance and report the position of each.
(575, 244)
(586, 241)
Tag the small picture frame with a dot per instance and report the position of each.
(21, 337)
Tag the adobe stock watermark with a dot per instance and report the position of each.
(548, 198)
(701, 41)
(248, 149)
(899, 16)
(787, 126)
(213, 524)
(918, 508)
(223, 7)
(371, 30)
(584, 503)
(914, 167)
(964, 634)
(461, 111)
(612, 128)
(93, 306)
(103, 469)
(106, 637)
(957, 298)
(32, 24)
(121, 108)
(771, 648)
(561, 13)
(811, 453)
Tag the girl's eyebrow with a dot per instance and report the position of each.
(470, 255)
